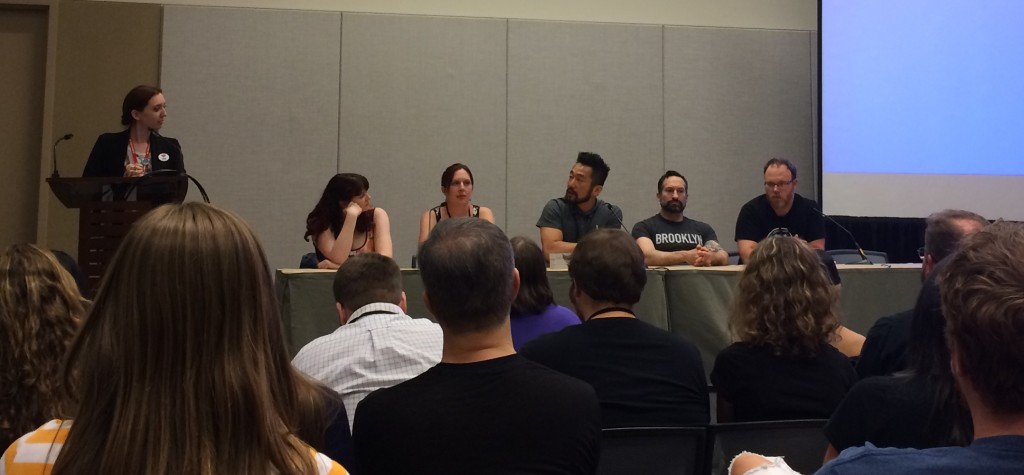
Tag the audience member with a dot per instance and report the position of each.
(40, 309)
(885, 346)
(669, 238)
(344, 224)
(785, 317)
(483, 409)
(181, 365)
(564, 221)
(918, 407)
(780, 210)
(377, 344)
(981, 288)
(644, 376)
(457, 188)
(534, 311)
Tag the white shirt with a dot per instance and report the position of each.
(379, 347)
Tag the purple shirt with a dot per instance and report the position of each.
(552, 319)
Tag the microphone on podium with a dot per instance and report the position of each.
(64, 137)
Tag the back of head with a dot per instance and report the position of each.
(784, 300)
(467, 269)
(39, 312)
(367, 278)
(534, 289)
(599, 168)
(181, 365)
(945, 229)
(982, 289)
(608, 266)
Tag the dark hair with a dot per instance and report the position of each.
(328, 213)
(467, 265)
(943, 231)
(949, 421)
(136, 100)
(982, 290)
(599, 169)
(534, 289)
(670, 173)
(449, 174)
(608, 266)
(781, 162)
(367, 278)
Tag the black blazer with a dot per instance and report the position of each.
(108, 154)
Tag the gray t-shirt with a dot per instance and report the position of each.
(565, 216)
(669, 236)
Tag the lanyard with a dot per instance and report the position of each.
(610, 310)
(131, 148)
(375, 312)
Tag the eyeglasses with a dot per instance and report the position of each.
(920, 253)
(777, 184)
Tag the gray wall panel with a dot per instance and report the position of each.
(582, 86)
(733, 99)
(253, 94)
(418, 94)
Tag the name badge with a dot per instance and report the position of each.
(163, 157)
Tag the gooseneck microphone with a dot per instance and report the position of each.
(612, 209)
(864, 257)
(64, 137)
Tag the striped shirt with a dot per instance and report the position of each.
(35, 453)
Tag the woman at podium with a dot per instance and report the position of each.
(139, 149)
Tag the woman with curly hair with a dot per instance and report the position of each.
(784, 320)
(343, 223)
(39, 312)
(181, 365)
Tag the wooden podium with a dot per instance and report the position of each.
(106, 216)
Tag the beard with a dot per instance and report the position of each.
(673, 206)
(573, 198)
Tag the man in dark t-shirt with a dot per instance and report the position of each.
(564, 221)
(780, 210)
(483, 408)
(669, 238)
(643, 375)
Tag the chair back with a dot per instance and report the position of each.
(801, 443)
(852, 256)
(652, 451)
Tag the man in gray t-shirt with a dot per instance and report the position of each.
(564, 221)
(669, 238)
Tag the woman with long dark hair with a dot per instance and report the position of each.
(343, 223)
(40, 309)
(784, 320)
(181, 366)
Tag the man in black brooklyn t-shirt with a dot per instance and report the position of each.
(779, 210)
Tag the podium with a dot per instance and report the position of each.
(106, 216)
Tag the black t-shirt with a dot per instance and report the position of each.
(757, 219)
(644, 376)
(562, 215)
(889, 411)
(505, 415)
(885, 347)
(669, 236)
(762, 386)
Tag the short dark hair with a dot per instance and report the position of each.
(599, 169)
(367, 278)
(467, 265)
(781, 162)
(943, 231)
(982, 289)
(534, 289)
(671, 173)
(449, 174)
(136, 100)
(608, 266)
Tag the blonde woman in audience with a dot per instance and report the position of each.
(784, 319)
(457, 188)
(40, 308)
(181, 365)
